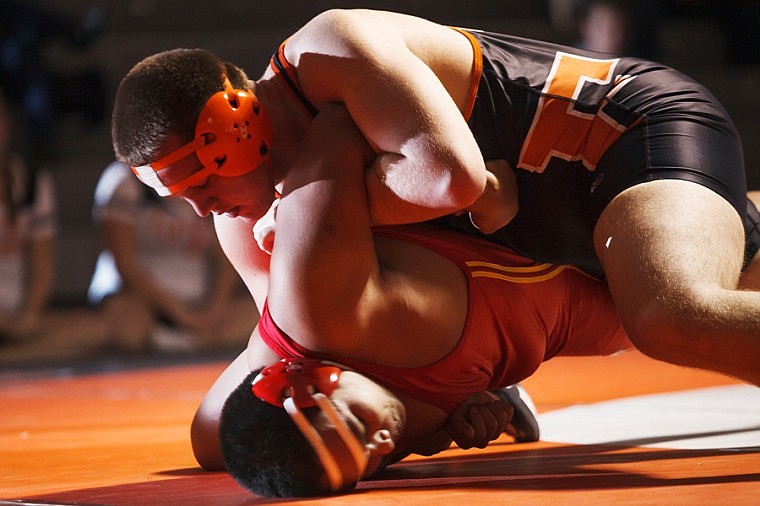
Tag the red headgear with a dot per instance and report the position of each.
(303, 383)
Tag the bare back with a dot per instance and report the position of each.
(405, 83)
(382, 40)
(426, 308)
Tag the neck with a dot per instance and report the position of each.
(289, 123)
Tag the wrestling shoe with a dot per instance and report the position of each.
(524, 424)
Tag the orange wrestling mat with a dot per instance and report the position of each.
(617, 430)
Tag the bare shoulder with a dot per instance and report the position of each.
(342, 51)
(367, 33)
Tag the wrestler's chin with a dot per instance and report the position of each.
(236, 213)
(248, 217)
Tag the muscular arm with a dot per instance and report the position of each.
(251, 263)
(303, 255)
(389, 71)
(324, 266)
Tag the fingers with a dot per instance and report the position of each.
(460, 429)
(488, 421)
(436, 443)
(479, 424)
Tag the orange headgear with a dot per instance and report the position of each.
(232, 137)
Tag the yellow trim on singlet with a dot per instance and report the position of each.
(516, 279)
(477, 70)
(524, 270)
(528, 274)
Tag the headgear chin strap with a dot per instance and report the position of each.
(232, 137)
(296, 384)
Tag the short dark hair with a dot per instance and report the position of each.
(264, 450)
(162, 94)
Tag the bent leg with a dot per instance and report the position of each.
(672, 252)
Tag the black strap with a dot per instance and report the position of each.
(293, 86)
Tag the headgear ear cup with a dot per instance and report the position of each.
(300, 383)
(232, 132)
(232, 138)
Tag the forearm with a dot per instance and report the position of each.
(324, 252)
(405, 190)
(247, 259)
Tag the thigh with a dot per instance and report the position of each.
(666, 243)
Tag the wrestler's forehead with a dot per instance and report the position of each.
(180, 169)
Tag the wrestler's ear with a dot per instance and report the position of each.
(381, 443)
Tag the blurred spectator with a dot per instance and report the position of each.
(633, 27)
(605, 26)
(41, 90)
(27, 231)
(620, 27)
(162, 279)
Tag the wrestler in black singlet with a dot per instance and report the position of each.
(580, 127)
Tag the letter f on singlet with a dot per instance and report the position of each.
(569, 122)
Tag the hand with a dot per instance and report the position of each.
(436, 443)
(478, 421)
(263, 230)
(498, 204)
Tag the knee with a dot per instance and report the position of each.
(675, 329)
(652, 335)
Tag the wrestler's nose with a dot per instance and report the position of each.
(201, 205)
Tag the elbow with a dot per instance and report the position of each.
(471, 190)
(204, 439)
(468, 174)
(466, 184)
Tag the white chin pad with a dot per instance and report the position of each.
(263, 230)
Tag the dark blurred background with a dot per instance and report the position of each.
(62, 60)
